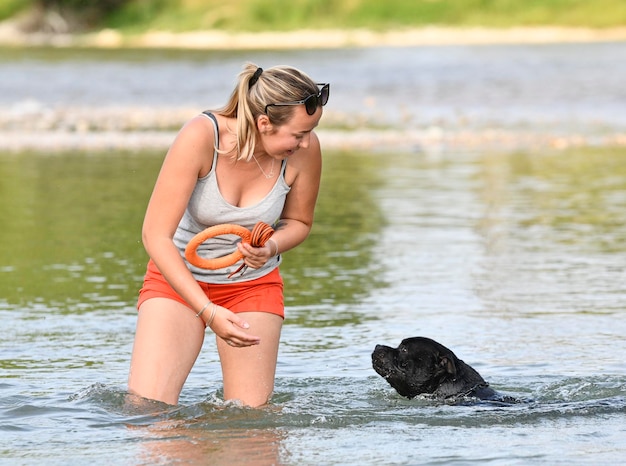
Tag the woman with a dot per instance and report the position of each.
(255, 159)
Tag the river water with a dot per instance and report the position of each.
(562, 87)
(513, 259)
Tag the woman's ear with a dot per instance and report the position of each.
(263, 124)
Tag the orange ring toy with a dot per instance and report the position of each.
(257, 238)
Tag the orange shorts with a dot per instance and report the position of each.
(264, 294)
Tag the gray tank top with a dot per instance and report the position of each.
(207, 208)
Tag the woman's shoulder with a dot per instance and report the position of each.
(194, 144)
(200, 122)
(199, 130)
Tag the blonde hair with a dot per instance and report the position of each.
(249, 98)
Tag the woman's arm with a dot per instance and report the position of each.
(189, 157)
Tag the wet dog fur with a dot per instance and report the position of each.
(421, 366)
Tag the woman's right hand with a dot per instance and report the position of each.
(231, 328)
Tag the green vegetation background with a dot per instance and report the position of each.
(262, 15)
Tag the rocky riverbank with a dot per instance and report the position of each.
(431, 139)
(33, 126)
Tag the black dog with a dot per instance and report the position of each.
(423, 366)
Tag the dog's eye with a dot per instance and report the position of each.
(403, 349)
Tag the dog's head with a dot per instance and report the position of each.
(418, 366)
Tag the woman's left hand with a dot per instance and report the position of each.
(255, 257)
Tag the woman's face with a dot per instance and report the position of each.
(283, 141)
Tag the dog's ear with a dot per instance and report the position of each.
(448, 364)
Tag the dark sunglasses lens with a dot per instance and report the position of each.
(313, 101)
(310, 103)
(324, 95)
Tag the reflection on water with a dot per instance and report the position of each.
(575, 204)
(74, 238)
(166, 443)
(334, 267)
(513, 260)
(564, 197)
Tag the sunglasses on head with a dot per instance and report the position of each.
(310, 103)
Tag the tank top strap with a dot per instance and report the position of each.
(209, 115)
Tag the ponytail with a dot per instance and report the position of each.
(257, 88)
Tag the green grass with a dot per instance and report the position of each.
(282, 15)
(255, 15)
(10, 7)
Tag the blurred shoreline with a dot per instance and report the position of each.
(11, 36)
